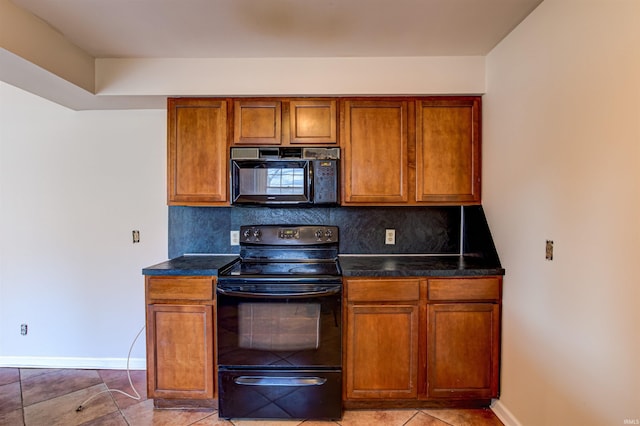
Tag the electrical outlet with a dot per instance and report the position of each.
(136, 236)
(390, 236)
(549, 250)
(24, 328)
(235, 238)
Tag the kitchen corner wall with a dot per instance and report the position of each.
(561, 161)
(73, 185)
(424, 230)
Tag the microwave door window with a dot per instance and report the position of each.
(253, 181)
(285, 182)
(272, 181)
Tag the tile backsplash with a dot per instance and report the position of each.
(419, 230)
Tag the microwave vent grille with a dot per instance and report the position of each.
(245, 153)
(321, 153)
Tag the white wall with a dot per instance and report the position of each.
(290, 76)
(562, 162)
(73, 185)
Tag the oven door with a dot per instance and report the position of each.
(271, 182)
(280, 327)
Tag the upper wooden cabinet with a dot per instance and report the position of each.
(284, 122)
(448, 150)
(375, 150)
(197, 152)
(257, 122)
(411, 151)
(313, 122)
(396, 151)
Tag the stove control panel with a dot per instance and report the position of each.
(288, 235)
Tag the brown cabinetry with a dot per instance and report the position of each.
(284, 122)
(395, 150)
(381, 338)
(257, 122)
(463, 338)
(180, 341)
(448, 150)
(417, 341)
(411, 150)
(197, 151)
(313, 122)
(375, 143)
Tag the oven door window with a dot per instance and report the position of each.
(279, 326)
(279, 332)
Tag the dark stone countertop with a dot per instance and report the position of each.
(351, 265)
(417, 266)
(191, 265)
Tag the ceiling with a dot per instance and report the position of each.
(281, 28)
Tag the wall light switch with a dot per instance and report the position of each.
(549, 250)
(390, 236)
(136, 236)
(235, 238)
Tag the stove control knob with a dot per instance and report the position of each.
(319, 234)
(328, 233)
(257, 233)
(246, 234)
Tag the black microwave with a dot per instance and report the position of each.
(285, 176)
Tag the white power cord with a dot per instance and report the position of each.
(137, 395)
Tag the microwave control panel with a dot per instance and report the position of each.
(325, 181)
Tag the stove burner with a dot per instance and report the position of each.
(309, 269)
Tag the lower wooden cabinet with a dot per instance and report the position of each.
(462, 337)
(180, 341)
(381, 338)
(382, 351)
(423, 340)
(407, 341)
(463, 350)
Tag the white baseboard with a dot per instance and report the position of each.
(71, 362)
(503, 413)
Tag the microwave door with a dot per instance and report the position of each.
(270, 182)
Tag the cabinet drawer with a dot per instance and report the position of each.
(464, 289)
(389, 290)
(180, 288)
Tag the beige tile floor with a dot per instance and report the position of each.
(44, 397)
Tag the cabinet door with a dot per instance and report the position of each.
(180, 355)
(374, 140)
(312, 122)
(463, 349)
(257, 122)
(381, 351)
(197, 152)
(448, 150)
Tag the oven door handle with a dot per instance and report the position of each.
(279, 381)
(277, 295)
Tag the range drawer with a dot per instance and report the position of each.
(455, 289)
(179, 288)
(383, 290)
